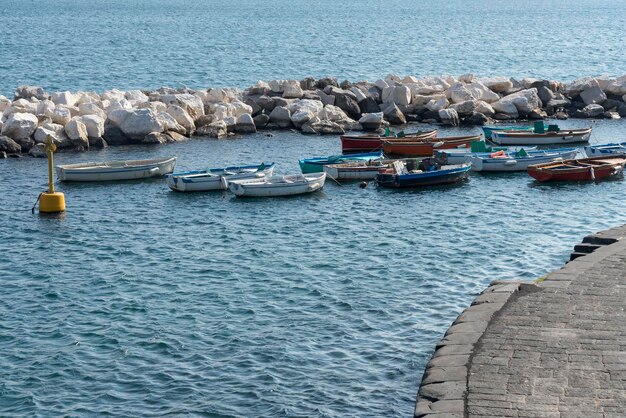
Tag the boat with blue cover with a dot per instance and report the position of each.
(408, 174)
(316, 164)
(216, 178)
(605, 149)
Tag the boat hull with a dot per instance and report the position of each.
(276, 186)
(426, 148)
(115, 170)
(586, 169)
(517, 163)
(210, 180)
(368, 143)
(548, 138)
(316, 165)
(424, 179)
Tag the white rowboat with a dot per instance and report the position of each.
(354, 171)
(546, 138)
(517, 162)
(215, 179)
(274, 186)
(116, 170)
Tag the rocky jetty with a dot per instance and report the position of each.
(83, 120)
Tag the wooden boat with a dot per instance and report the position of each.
(316, 164)
(546, 138)
(216, 178)
(401, 175)
(363, 170)
(605, 149)
(462, 155)
(584, 169)
(488, 130)
(369, 143)
(275, 186)
(426, 147)
(116, 170)
(520, 160)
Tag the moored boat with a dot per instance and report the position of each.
(489, 130)
(428, 173)
(369, 142)
(605, 149)
(216, 178)
(275, 186)
(518, 161)
(554, 137)
(116, 170)
(354, 170)
(426, 147)
(316, 164)
(583, 169)
(462, 155)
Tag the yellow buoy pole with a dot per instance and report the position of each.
(51, 201)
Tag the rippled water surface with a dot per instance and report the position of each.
(143, 301)
(99, 45)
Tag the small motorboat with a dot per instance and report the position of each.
(215, 178)
(583, 169)
(605, 149)
(405, 174)
(275, 186)
(369, 142)
(316, 164)
(518, 161)
(116, 170)
(426, 147)
(361, 170)
(552, 136)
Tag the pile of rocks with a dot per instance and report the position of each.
(86, 119)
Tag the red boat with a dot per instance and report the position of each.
(584, 169)
(426, 147)
(369, 143)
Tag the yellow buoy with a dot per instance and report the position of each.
(51, 201)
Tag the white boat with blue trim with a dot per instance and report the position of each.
(216, 178)
(275, 186)
(116, 170)
(605, 149)
(520, 160)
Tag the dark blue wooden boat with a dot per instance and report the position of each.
(429, 173)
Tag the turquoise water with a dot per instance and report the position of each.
(99, 45)
(142, 301)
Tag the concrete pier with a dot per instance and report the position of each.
(552, 349)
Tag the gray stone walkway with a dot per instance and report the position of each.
(556, 349)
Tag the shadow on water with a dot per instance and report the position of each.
(571, 185)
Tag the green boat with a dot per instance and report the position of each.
(316, 164)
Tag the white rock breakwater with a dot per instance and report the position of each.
(78, 121)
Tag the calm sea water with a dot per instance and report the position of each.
(143, 301)
(102, 44)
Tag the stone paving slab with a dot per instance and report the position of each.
(557, 349)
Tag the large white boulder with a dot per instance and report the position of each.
(136, 124)
(333, 114)
(465, 108)
(580, 84)
(381, 84)
(277, 86)
(113, 95)
(281, 116)
(64, 98)
(402, 95)
(238, 108)
(481, 92)
(497, 84)
(313, 106)
(435, 105)
(216, 96)
(409, 79)
(594, 95)
(617, 86)
(292, 90)
(76, 131)
(91, 109)
(56, 132)
(83, 97)
(94, 125)
(20, 125)
(484, 108)
(525, 100)
(117, 104)
(136, 95)
(245, 124)
(221, 111)
(358, 93)
(192, 104)
(467, 78)
(372, 121)
(449, 117)
(170, 124)
(507, 107)
(388, 94)
(4, 103)
(182, 117)
(300, 117)
(458, 93)
(61, 115)
(46, 108)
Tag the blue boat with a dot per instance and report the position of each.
(428, 173)
(488, 130)
(316, 164)
(605, 149)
